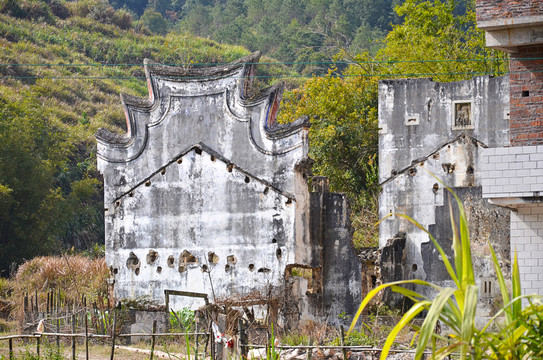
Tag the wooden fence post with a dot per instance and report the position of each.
(153, 340)
(73, 337)
(211, 341)
(343, 350)
(10, 349)
(58, 321)
(243, 340)
(113, 333)
(195, 341)
(38, 346)
(309, 350)
(37, 308)
(86, 337)
(25, 306)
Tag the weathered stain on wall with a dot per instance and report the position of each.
(206, 193)
(438, 128)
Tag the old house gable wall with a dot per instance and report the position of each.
(440, 129)
(207, 193)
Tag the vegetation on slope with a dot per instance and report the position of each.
(305, 32)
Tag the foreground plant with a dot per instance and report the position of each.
(456, 307)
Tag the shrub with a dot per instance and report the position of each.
(59, 9)
(38, 11)
(154, 22)
(12, 8)
(123, 19)
(183, 319)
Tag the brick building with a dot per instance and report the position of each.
(513, 175)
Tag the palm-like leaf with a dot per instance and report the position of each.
(456, 307)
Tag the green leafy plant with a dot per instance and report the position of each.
(295, 338)
(364, 336)
(183, 319)
(456, 306)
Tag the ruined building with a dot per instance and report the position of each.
(482, 137)
(429, 128)
(513, 173)
(207, 193)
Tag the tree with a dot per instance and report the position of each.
(153, 21)
(137, 6)
(343, 138)
(45, 195)
(434, 41)
(30, 152)
(343, 133)
(197, 20)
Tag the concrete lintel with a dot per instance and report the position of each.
(508, 39)
(497, 24)
(513, 202)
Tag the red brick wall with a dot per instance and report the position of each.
(500, 9)
(526, 81)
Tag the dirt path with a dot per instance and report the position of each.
(96, 352)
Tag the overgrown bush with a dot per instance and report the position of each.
(59, 9)
(27, 9)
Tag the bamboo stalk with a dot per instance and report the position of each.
(161, 334)
(22, 336)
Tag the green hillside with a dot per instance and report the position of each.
(58, 85)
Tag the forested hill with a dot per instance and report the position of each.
(54, 95)
(298, 31)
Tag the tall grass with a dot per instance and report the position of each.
(73, 276)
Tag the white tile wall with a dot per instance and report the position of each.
(512, 172)
(527, 240)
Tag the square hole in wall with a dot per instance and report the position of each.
(412, 119)
(462, 115)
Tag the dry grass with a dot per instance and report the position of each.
(72, 276)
